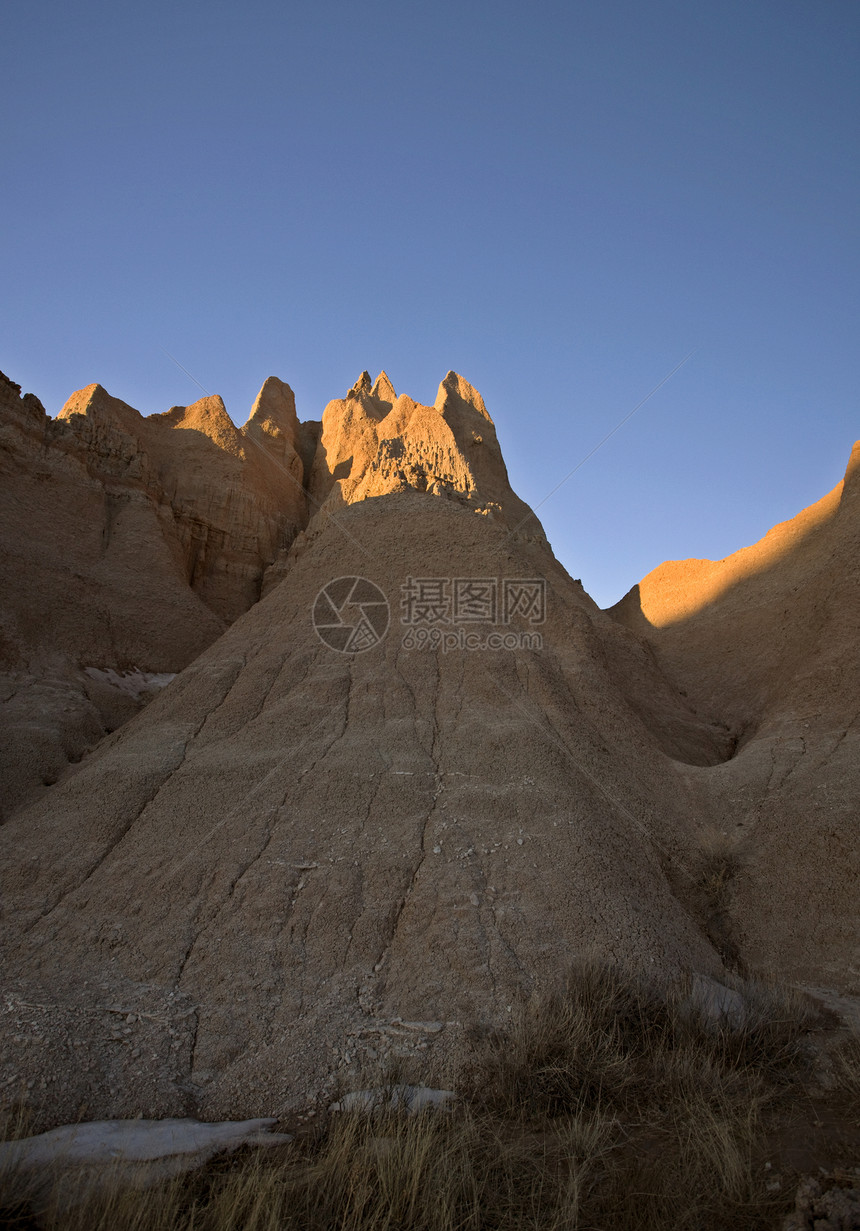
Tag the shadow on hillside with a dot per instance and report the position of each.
(738, 637)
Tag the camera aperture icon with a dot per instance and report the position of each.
(351, 615)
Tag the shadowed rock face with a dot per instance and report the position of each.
(784, 606)
(766, 642)
(234, 496)
(295, 859)
(304, 845)
(291, 850)
(127, 544)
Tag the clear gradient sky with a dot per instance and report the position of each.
(560, 200)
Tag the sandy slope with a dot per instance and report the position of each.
(766, 641)
(294, 858)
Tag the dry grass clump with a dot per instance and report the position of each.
(608, 1042)
(610, 1106)
(719, 865)
(684, 1092)
(569, 1052)
(381, 1171)
(17, 1119)
(711, 896)
(846, 1066)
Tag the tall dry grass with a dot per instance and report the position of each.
(610, 1106)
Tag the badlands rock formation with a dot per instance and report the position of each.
(127, 546)
(295, 860)
(766, 641)
(374, 443)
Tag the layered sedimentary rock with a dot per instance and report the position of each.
(766, 642)
(127, 545)
(293, 851)
(375, 443)
(423, 775)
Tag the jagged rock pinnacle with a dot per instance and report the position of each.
(383, 388)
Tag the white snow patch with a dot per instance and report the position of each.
(105, 1141)
(60, 1169)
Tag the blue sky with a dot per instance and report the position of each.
(559, 200)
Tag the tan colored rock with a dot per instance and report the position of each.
(374, 443)
(294, 857)
(312, 852)
(765, 642)
(126, 544)
(383, 389)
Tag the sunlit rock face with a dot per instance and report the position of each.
(768, 630)
(128, 545)
(233, 496)
(296, 854)
(767, 641)
(291, 846)
(375, 443)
